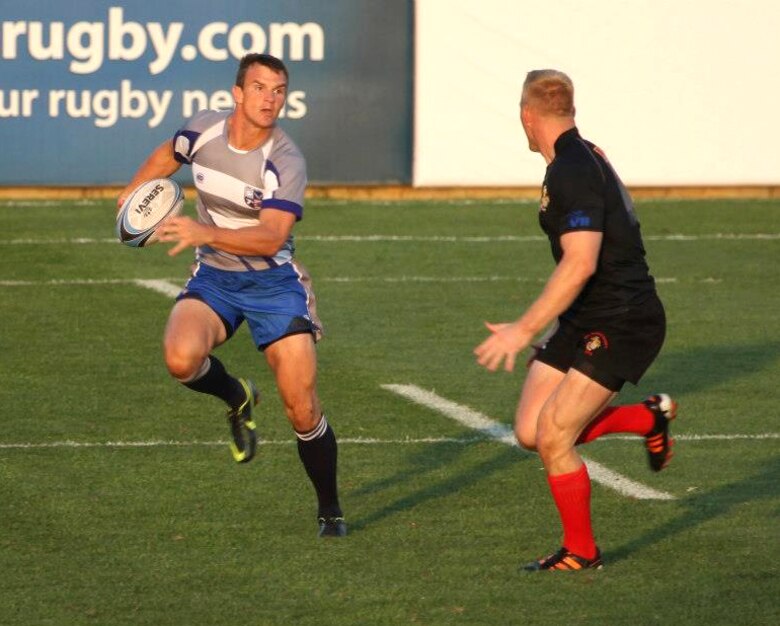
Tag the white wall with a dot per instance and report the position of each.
(676, 92)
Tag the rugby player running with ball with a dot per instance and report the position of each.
(250, 178)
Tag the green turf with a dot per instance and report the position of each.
(179, 534)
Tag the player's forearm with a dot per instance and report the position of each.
(159, 164)
(249, 241)
(562, 288)
(154, 168)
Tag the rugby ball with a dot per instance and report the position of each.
(145, 209)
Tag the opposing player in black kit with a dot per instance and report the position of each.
(606, 322)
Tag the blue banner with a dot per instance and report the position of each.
(88, 89)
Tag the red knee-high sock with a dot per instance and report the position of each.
(571, 493)
(631, 418)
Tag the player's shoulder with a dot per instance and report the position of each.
(575, 159)
(205, 119)
(286, 157)
(284, 147)
(572, 150)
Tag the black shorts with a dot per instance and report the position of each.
(611, 351)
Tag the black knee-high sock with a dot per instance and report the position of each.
(217, 382)
(319, 451)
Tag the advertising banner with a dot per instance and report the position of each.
(88, 88)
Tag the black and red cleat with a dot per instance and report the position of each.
(657, 441)
(564, 561)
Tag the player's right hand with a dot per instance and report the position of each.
(502, 346)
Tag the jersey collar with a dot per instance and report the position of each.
(565, 138)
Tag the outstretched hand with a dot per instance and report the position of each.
(503, 345)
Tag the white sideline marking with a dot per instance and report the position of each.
(464, 279)
(161, 443)
(423, 238)
(164, 287)
(168, 286)
(56, 242)
(45, 203)
(66, 282)
(483, 424)
(713, 236)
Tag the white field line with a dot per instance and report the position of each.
(483, 424)
(160, 443)
(164, 287)
(169, 286)
(57, 242)
(421, 238)
(371, 441)
(66, 282)
(44, 203)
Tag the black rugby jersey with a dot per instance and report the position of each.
(581, 191)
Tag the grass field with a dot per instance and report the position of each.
(120, 504)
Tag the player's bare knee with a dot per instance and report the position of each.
(549, 438)
(302, 415)
(304, 423)
(553, 443)
(181, 370)
(550, 447)
(182, 364)
(544, 445)
(526, 438)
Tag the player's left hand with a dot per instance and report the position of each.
(185, 231)
(503, 345)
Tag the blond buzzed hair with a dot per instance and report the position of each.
(550, 92)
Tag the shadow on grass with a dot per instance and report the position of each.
(680, 372)
(700, 369)
(421, 467)
(704, 507)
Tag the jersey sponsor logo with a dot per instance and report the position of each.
(544, 202)
(595, 341)
(578, 219)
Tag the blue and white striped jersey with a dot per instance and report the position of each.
(234, 185)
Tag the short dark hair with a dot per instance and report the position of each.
(253, 58)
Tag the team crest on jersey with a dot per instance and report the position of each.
(544, 202)
(253, 197)
(595, 341)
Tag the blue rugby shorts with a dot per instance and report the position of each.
(275, 303)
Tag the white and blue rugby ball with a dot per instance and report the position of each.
(145, 209)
